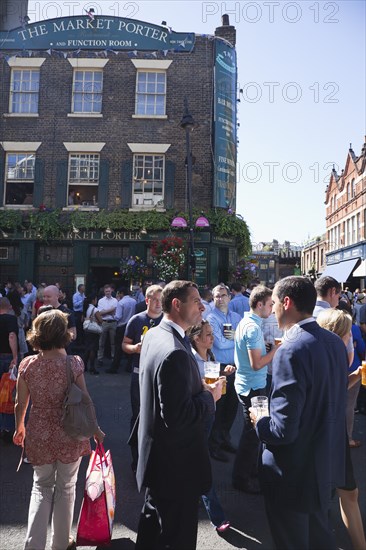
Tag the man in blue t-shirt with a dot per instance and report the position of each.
(251, 362)
(136, 329)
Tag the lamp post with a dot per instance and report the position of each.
(188, 124)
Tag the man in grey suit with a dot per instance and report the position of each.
(303, 454)
(173, 459)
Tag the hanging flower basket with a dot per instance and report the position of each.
(169, 257)
(132, 268)
(244, 271)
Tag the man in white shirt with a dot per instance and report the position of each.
(107, 308)
(77, 306)
(125, 310)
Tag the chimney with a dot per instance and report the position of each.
(12, 13)
(225, 20)
(226, 31)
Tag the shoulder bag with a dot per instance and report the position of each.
(91, 325)
(79, 419)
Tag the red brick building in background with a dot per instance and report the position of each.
(343, 247)
(346, 221)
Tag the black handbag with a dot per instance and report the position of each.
(79, 419)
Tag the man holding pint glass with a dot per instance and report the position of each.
(224, 323)
(251, 361)
(173, 462)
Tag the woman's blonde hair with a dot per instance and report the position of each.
(196, 331)
(49, 331)
(335, 320)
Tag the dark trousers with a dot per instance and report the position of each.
(303, 531)
(118, 352)
(246, 459)
(168, 524)
(79, 327)
(135, 406)
(226, 409)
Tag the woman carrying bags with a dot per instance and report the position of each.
(54, 455)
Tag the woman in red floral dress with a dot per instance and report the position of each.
(54, 455)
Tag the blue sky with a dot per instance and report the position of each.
(302, 71)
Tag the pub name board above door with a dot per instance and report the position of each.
(98, 33)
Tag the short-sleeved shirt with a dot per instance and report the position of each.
(137, 326)
(8, 324)
(46, 440)
(249, 335)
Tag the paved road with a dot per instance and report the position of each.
(111, 396)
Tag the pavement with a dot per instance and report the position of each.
(249, 529)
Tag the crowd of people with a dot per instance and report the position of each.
(300, 344)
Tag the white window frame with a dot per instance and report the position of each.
(147, 200)
(87, 95)
(33, 65)
(150, 67)
(22, 101)
(88, 181)
(143, 97)
(28, 149)
(30, 158)
(148, 197)
(87, 65)
(353, 188)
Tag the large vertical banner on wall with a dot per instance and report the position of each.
(225, 128)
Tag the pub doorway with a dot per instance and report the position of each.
(102, 275)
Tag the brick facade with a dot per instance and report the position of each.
(190, 74)
(346, 216)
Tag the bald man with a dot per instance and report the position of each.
(51, 296)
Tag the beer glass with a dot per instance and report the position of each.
(212, 371)
(260, 404)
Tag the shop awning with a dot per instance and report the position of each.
(361, 270)
(340, 271)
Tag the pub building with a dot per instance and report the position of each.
(96, 161)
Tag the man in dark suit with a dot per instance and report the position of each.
(173, 459)
(303, 455)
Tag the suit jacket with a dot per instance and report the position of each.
(303, 456)
(173, 454)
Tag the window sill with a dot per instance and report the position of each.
(159, 117)
(84, 115)
(23, 115)
(18, 207)
(76, 207)
(144, 207)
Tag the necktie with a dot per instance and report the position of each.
(187, 343)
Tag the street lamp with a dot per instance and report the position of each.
(188, 124)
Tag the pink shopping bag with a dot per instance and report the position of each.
(95, 523)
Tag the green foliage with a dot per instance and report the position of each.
(50, 224)
(230, 225)
(10, 219)
(121, 219)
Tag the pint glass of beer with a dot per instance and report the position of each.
(363, 373)
(212, 371)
